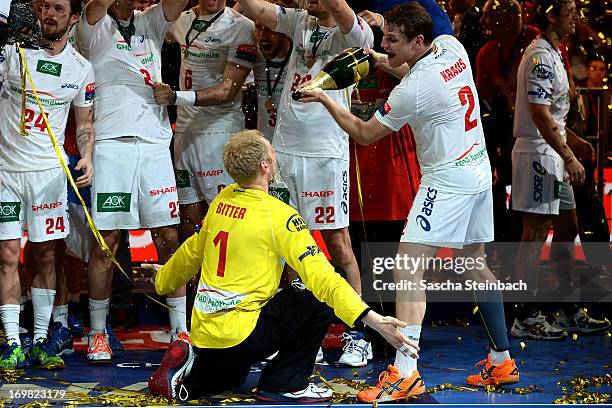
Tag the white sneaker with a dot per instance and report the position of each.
(357, 351)
(536, 327)
(98, 349)
(580, 322)
(320, 356)
(312, 393)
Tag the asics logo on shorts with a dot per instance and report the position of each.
(9, 211)
(538, 179)
(344, 202)
(427, 209)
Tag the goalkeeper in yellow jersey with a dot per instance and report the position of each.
(238, 317)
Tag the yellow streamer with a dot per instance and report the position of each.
(25, 73)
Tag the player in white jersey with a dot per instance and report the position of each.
(543, 161)
(134, 186)
(33, 185)
(270, 72)
(217, 53)
(315, 168)
(453, 207)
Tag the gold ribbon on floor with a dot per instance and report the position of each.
(576, 390)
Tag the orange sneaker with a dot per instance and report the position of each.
(183, 336)
(505, 373)
(392, 387)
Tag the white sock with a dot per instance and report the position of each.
(406, 364)
(60, 314)
(498, 357)
(98, 309)
(10, 319)
(178, 314)
(42, 303)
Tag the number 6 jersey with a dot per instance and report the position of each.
(60, 80)
(438, 99)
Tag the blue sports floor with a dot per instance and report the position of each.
(448, 355)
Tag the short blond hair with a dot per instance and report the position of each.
(242, 154)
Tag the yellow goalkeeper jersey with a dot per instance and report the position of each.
(245, 234)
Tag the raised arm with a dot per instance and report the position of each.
(173, 8)
(341, 12)
(96, 10)
(264, 11)
(85, 137)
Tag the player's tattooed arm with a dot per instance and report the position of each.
(85, 138)
(545, 123)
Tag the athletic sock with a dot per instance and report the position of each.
(491, 308)
(10, 320)
(98, 309)
(406, 364)
(42, 303)
(177, 313)
(60, 314)
(498, 357)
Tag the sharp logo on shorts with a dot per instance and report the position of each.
(344, 203)
(114, 202)
(9, 211)
(49, 206)
(48, 67)
(182, 178)
(209, 173)
(538, 180)
(427, 209)
(161, 191)
(295, 223)
(311, 250)
(312, 194)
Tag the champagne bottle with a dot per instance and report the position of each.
(341, 72)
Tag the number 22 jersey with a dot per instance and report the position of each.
(438, 99)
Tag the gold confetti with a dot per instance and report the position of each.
(578, 393)
(548, 9)
(459, 338)
(523, 345)
(574, 336)
(475, 310)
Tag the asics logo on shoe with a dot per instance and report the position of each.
(388, 388)
(487, 372)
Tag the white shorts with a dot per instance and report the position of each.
(133, 185)
(450, 220)
(198, 160)
(538, 186)
(318, 188)
(80, 241)
(35, 198)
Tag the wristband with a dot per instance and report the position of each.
(185, 98)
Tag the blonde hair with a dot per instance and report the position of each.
(242, 154)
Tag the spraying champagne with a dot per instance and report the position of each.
(343, 71)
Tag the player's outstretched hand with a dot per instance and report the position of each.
(388, 327)
(311, 95)
(164, 95)
(373, 19)
(85, 165)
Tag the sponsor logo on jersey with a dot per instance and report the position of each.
(49, 206)
(49, 67)
(344, 203)
(384, 109)
(472, 157)
(543, 71)
(454, 70)
(201, 54)
(247, 52)
(296, 223)
(182, 178)
(114, 202)
(162, 191)
(427, 209)
(9, 211)
(439, 51)
(147, 60)
(318, 36)
(541, 93)
(122, 45)
(209, 173)
(90, 91)
(538, 179)
(212, 40)
(313, 194)
(280, 193)
(70, 86)
(211, 300)
(311, 250)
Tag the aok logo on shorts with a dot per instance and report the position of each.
(9, 211)
(538, 179)
(427, 209)
(49, 67)
(114, 202)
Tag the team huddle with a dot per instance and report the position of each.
(104, 60)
